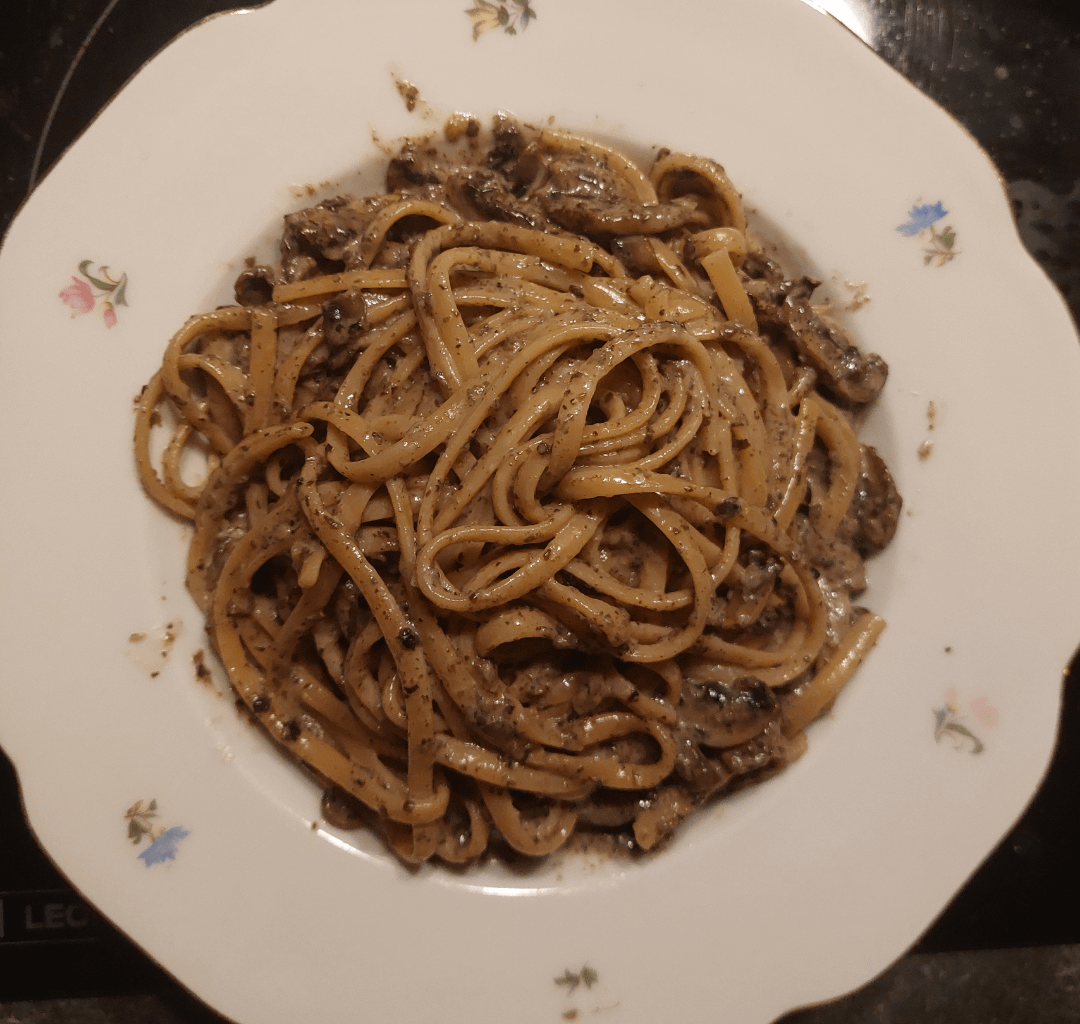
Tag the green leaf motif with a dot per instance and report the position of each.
(104, 282)
(960, 730)
(512, 16)
(948, 237)
(586, 976)
(120, 298)
(571, 981)
(138, 819)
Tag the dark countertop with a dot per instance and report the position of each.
(1007, 949)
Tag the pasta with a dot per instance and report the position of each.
(534, 503)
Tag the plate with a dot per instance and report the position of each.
(179, 822)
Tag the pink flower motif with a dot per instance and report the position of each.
(952, 698)
(81, 296)
(984, 711)
(78, 297)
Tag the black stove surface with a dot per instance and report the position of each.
(1009, 71)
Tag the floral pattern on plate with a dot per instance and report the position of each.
(163, 841)
(84, 292)
(939, 247)
(507, 16)
(571, 981)
(952, 719)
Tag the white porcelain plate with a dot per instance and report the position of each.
(180, 823)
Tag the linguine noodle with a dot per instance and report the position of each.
(534, 500)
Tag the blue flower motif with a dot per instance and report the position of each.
(164, 847)
(922, 217)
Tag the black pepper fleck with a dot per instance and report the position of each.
(409, 639)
